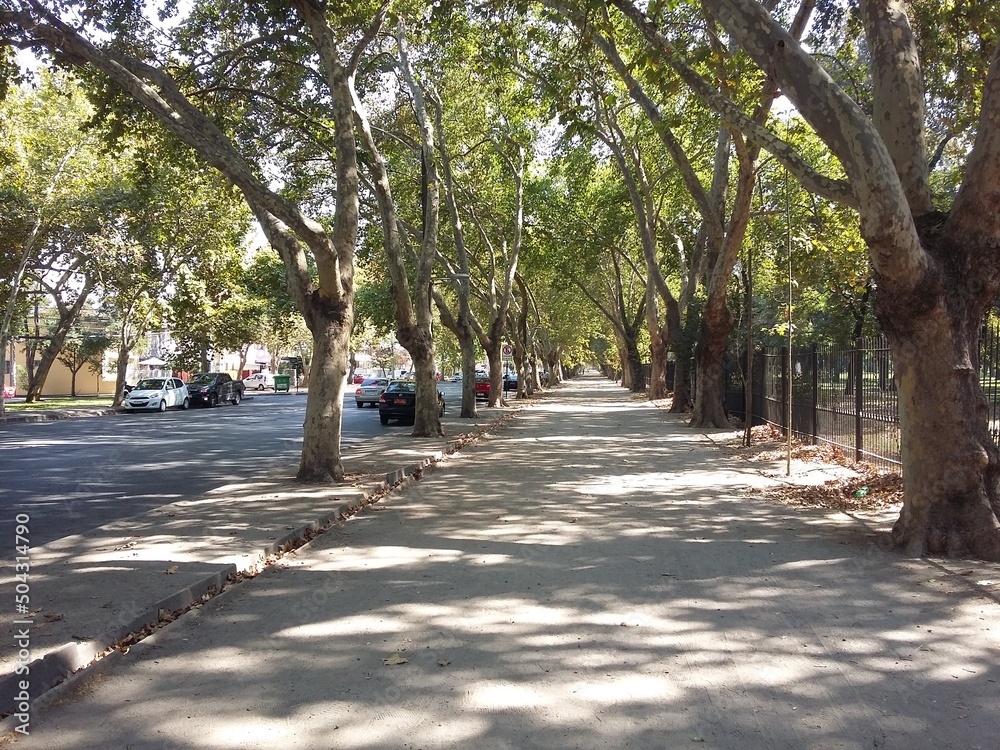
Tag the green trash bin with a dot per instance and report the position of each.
(282, 383)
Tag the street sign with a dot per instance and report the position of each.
(507, 350)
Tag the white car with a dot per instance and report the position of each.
(157, 393)
(369, 391)
(258, 381)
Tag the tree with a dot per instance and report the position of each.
(936, 272)
(77, 352)
(58, 189)
(326, 300)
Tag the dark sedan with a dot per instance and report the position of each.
(211, 388)
(399, 400)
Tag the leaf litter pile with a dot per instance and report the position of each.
(869, 489)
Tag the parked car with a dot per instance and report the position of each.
(399, 401)
(157, 393)
(211, 388)
(9, 391)
(369, 391)
(482, 385)
(258, 381)
(456, 378)
(510, 382)
(358, 378)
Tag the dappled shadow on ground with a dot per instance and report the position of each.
(592, 577)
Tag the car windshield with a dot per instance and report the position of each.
(402, 386)
(205, 377)
(482, 377)
(150, 384)
(375, 381)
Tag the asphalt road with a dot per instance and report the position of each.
(76, 474)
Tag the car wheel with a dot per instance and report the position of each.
(383, 418)
(260, 386)
(359, 403)
(235, 401)
(441, 410)
(163, 406)
(213, 399)
(187, 404)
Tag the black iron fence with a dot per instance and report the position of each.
(843, 396)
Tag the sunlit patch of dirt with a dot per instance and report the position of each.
(871, 488)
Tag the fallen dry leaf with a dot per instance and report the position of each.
(394, 660)
(171, 570)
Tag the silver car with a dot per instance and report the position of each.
(159, 394)
(369, 391)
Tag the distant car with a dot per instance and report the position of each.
(258, 381)
(211, 388)
(369, 391)
(158, 394)
(456, 378)
(482, 385)
(399, 401)
(9, 391)
(358, 378)
(510, 382)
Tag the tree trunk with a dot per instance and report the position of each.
(468, 343)
(682, 385)
(121, 372)
(321, 458)
(467, 347)
(67, 317)
(951, 465)
(657, 347)
(716, 322)
(420, 345)
(496, 371)
(634, 362)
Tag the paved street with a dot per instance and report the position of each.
(593, 575)
(76, 474)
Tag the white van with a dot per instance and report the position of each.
(258, 381)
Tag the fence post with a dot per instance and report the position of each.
(785, 390)
(759, 370)
(815, 394)
(858, 399)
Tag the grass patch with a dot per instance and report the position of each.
(62, 402)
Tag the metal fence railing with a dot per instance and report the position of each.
(842, 396)
(845, 396)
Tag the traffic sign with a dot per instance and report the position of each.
(508, 350)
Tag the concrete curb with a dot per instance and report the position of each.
(52, 415)
(75, 662)
(74, 656)
(72, 664)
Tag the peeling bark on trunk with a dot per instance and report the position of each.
(495, 361)
(121, 374)
(420, 345)
(467, 348)
(952, 469)
(657, 348)
(717, 320)
(321, 458)
(682, 387)
(951, 465)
